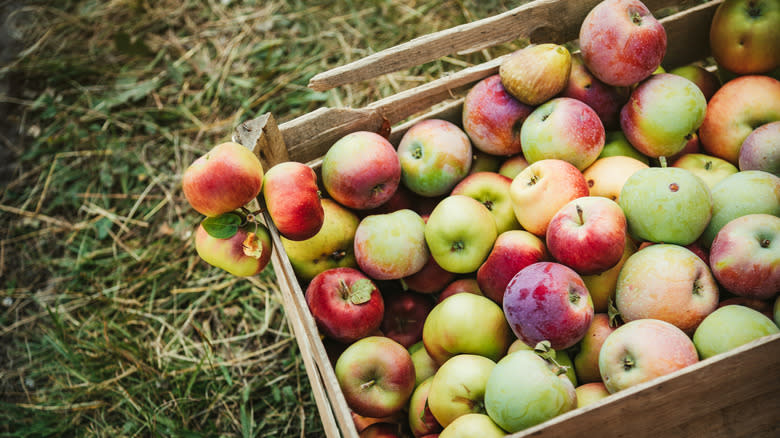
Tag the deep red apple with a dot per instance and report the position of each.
(513, 251)
(405, 314)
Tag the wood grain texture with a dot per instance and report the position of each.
(735, 394)
(539, 21)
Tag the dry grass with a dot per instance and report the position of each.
(110, 325)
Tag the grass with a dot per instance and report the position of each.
(110, 325)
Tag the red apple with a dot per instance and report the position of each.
(361, 170)
(513, 251)
(745, 256)
(292, 199)
(421, 420)
(622, 42)
(404, 316)
(226, 178)
(467, 285)
(586, 361)
(605, 99)
(382, 430)
(376, 375)
(761, 149)
(241, 251)
(345, 303)
(737, 108)
(588, 234)
(430, 279)
(492, 117)
(548, 301)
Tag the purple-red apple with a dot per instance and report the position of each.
(666, 282)
(345, 304)
(361, 170)
(662, 113)
(466, 323)
(737, 108)
(548, 301)
(492, 117)
(513, 251)
(588, 234)
(622, 42)
(292, 199)
(536, 73)
(404, 316)
(241, 251)
(492, 190)
(376, 375)
(641, 350)
(745, 256)
(430, 279)
(435, 155)
(541, 189)
(225, 178)
(563, 128)
(605, 99)
(761, 149)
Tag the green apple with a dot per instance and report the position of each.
(666, 204)
(391, 246)
(523, 391)
(710, 169)
(460, 233)
(776, 311)
(745, 192)
(492, 190)
(241, 251)
(562, 359)
(616, 143)
(458, 387)
(706, 80)
(729, 327)
(745, 35)
(424, 365)
(331, 247)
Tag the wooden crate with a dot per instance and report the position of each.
(732, 395)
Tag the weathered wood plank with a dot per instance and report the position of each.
(539, 21)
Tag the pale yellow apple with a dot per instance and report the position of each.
(606, 176)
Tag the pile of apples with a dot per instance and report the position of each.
(594, 223)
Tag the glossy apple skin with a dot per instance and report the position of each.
(706, 80)
(329, 296)
(744, 36)
(728, 327)
(460, 233)
(392, 245)
(461, 285)
(641, 350)
(541, 189)
(563, 128)
(458, 387)
(590, 393)
(523, 391)
(513, 251)
(424, 365)
(435, 155)
(736, 109)
(430, 279)
(616, 48)
(586, 361)
(606, 176)
(745, 256)
(601, 286)
(376, 375)
(536, 73)
(650, 197)
(231, 254)
(471, 425)
(710, 169)
(361, 170)
(292, 200)
(492, 190)
(746, 192)
(421, 420)
(331, 247)
(404, 316)
(548, 301)
(512, 166)
(661, 114)
(588, 234)
(666, 282)
(382, 429)
(492, 117)
(761, 149)
(225, 178)
(605, 99)
(466, 323)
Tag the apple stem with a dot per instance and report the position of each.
(366, 385)
(662, 160)
(343, 289)
(579, 213)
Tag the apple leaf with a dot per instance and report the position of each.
(223, 226)
(361, 290)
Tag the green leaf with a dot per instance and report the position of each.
(223, 226)
(361, 290)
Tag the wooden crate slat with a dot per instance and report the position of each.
(691, 26)
(540, 21)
